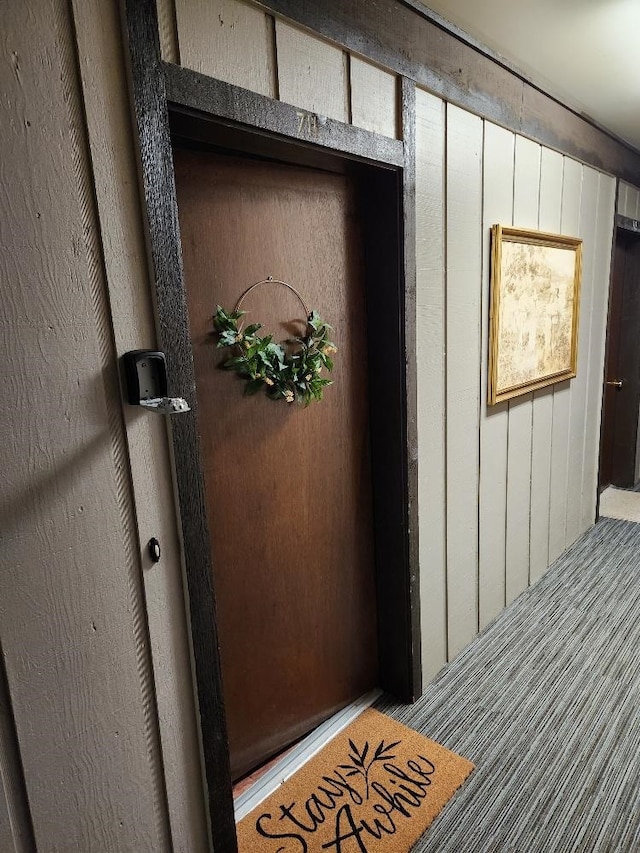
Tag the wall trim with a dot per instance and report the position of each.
(408, 119)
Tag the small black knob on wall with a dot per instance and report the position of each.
(154, 550)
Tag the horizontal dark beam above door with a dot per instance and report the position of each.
(628, 224)
(402, 37)
(194, 91)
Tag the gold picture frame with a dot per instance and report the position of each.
(535, 308)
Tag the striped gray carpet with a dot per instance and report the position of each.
(546, 703)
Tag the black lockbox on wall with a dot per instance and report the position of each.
(146, 375)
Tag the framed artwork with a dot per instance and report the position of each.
(535, 303)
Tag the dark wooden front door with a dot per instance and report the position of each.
(288, 489)
(618, 453)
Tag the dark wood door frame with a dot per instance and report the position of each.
(169, 101)
(631, 227)
(620, 336)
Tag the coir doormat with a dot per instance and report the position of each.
(374, 788)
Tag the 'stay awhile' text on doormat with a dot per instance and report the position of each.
(374, 788)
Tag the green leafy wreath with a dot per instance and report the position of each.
(265, 364)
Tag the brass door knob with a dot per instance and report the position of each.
(617, 383)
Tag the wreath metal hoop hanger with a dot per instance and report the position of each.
(271, 280)
(266, 365)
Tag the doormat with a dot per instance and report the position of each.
(374, 788)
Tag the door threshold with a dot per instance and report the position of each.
(296, 757)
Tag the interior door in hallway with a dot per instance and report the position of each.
(620, 439)
(288, 489)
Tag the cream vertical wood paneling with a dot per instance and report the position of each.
(628, 201)
(542, 426)
(430, 332)
(6, 835)
(631, 200)
(560, 435)
(311, 73)
(551, 167)
(374, 98)
(167, 30)
(579, 385)
(597, 336)
(625, 199)
(16, 833)
(8, 788)
(464, 274)
(114, 169)
(229, 40)
(559, 473)
(70, 614)
(497, 209)
(526, 191)
(622, 198)
(633, 197)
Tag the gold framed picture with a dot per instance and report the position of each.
(535, 306)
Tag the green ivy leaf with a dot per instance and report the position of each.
(235, 363)
(253, 386)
